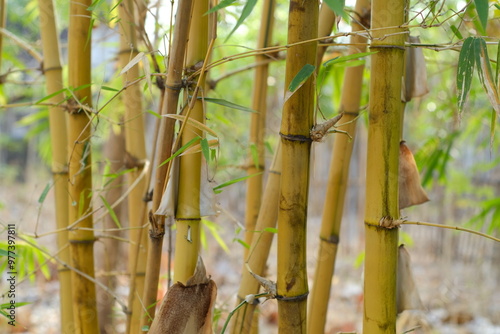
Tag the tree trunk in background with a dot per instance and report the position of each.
(59, 142)
(187, 241)
(337, 181)
(384, 133)
(80, 170)
(135, 157)
(296, 125)
(173, 86)
(114, 151)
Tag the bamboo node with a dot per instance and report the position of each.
(293, 298)
(398, 47)
(390, 223)
(296, 137)
(320, 130)
(333, 239)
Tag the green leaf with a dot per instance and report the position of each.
(338, 8)
(466, 62)
(111, 89)
(228, 183)
(48, 97)
(4, 252)
(30, 119)
(220, 5)
(482, 11)
(247, 246)
(179, 151)
(155, 114)
(213, 228)
(205, 149)
(247, 10)
(271, 230)
(94, 5)
(226, 103)
(305, 72)
(342, 59)
(45, 191)
(456, 32)
(498, 63)
(111, 212)
(485, 73)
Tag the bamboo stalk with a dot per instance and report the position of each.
(337, 182)
(187, 240)
(382, 185)
(326, 21)
(260, 246)
(257, 124)
(135, 147)
(296, 124)
(3, 20)
(80, 169)
(59, 142)
(173, 87)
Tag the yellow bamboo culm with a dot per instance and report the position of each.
(187, 241)
(260, 247)
(337, 182)
(382, 184)
(59, 143)
(80, 169)
(297, 121)
(135, 147)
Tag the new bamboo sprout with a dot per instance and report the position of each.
(80, 169)
(295, 130)
(59, 142)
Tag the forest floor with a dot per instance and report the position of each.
(459, 295)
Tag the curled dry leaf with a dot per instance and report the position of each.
(320, 130)
(410, 189)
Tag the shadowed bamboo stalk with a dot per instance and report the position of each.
(326, 21)
(382, 185)
(188, 217)
(260, 246)
(135, 147)
(173, 86)
(59, 142)
(257, 124)
(3, 19)
(337, 182)
(80, 169)
(295, 130)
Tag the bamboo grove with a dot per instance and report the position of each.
(155, 183)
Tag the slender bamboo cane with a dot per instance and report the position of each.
(173, 87)
(114, 151)
(296, 124)
(80, 168)
(337, 182)
(3, 19)
(257, 124)
(187, 240)
(260, 246)
(326, 21)
(384, 133)
(59, 141)
(135, 154)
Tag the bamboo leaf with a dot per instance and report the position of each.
(482, 11)
(228, 183)
(111, 89)
(247, 246)
(456, 32)
(155, 114)
(205, 149)
(197, 148)
(179, 151)
(465, 71)
(305, 72)
(220, 5)
(486, 74)
(45, 191)
(30, 119)
(212, 227)
(226, 103)
(498, 63)
(133, 62)
(194, 123)
(48, 97)
(111, 212)
(342, 59)
(247, 10)
(338, 8)
(271, 230)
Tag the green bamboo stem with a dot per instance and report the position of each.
(337, 184)
(296, 124)
(59, 142)
(80, 169)
(382, 184)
